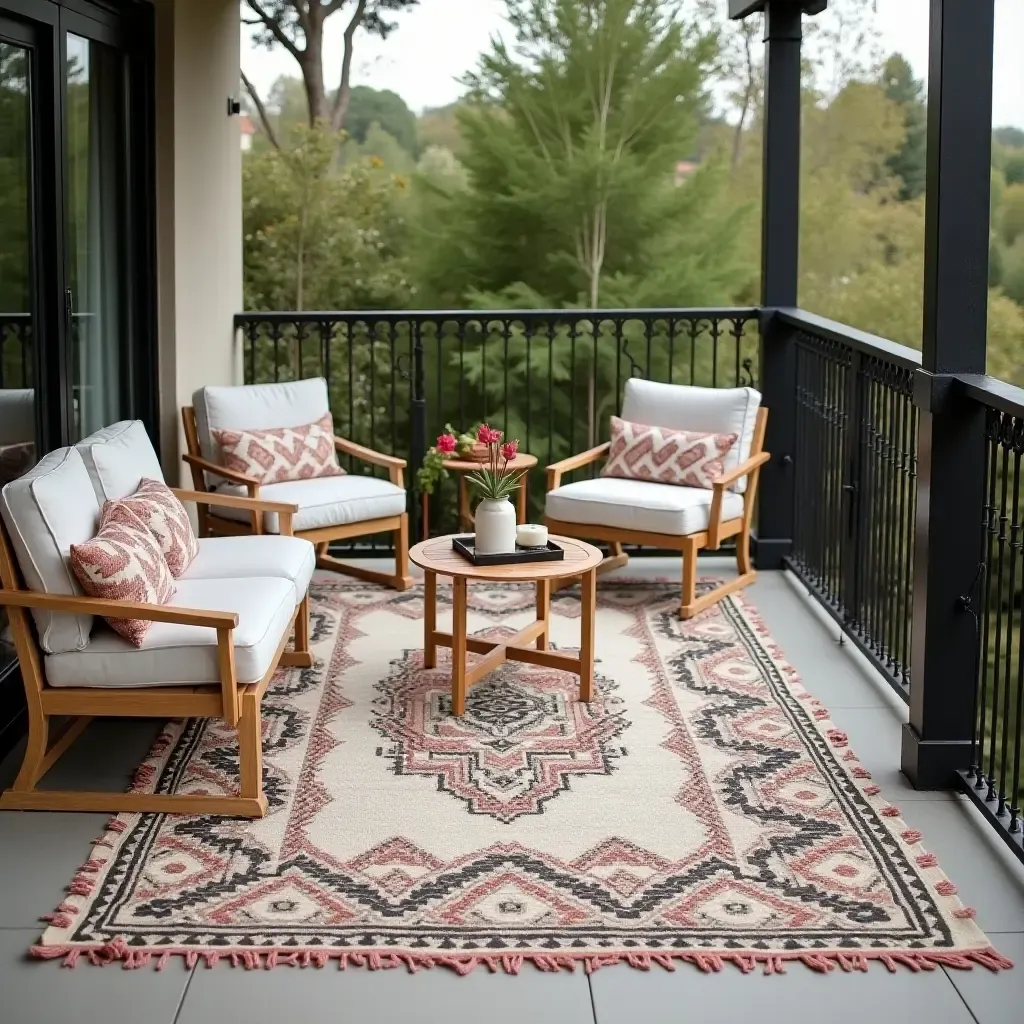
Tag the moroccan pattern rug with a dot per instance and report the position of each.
(701, 809)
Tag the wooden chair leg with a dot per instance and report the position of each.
(300, 656)
(689, 595)
(743, 550)
(250, 750)
(35, 750)
(403, 581)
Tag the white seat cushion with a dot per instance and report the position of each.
(47, 510)
(257, 407)
(186, 655)
(285, 558)
(639, 505)
(119, 458)
(712, 410)
(324, 501)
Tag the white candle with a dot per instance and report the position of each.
(530, 535)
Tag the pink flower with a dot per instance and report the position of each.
(485, 435)
(509, 449)
(446, 444)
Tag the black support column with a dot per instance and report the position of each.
(780, 246)
(951, 464)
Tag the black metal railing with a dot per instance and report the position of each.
(855, 473)
(995, 780)
(15, 350)
(550, 378)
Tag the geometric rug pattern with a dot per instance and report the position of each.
(701, 809)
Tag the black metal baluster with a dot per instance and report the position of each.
(671, 347)
(527, 334)
(998, 602)
(393, 409)
(694, 332)
(1008, 787)
(989, 517)
(716, 332)
(573, 331)
(506, 328)
(350, 332)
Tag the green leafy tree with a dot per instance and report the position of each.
(1013, 274)
(1011, 214)
(298, 26)
(906, 91)
(386, 109)
(1013, 167)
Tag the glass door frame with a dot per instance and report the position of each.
(130, 31)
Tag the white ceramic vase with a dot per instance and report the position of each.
(495, 527)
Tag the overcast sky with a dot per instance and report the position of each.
(441, 39)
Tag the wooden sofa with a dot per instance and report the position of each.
(211, 651)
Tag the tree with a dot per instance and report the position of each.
(571, 135)
(908, 163)
(1011, 216)
(1009, 136)
(1013, 272)
(1013, 168)
(298, 26)
(387, 110)
(314, 239)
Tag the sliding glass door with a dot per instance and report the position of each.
(77, 270)
(95, 170)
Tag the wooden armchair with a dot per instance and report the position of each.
(219, 676)
(666, 516)
(329, 509)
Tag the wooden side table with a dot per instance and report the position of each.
(436, 557)
(522, 463)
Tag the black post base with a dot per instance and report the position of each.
(770, 552)
(932, 764)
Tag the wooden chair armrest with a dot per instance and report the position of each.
(222, 471)
(234, 501)
(751, 467)
(257, 506)
(742, 470)
(78, 605)
(391, 463)
(555, 470)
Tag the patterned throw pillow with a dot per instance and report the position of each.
(285, 453)
(154, 507)
(681, 457)
(122, 563)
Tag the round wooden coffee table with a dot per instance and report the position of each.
(436, 557)
(522, 463)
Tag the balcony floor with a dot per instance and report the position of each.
(39, 853)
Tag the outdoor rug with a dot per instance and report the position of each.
(701, 809)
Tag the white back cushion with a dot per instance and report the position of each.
(47, 510)
(257, 407)
(17, 415)
(681, 407)
(119, 458)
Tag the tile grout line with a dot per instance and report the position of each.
(967, 1005)
(593, 1004)
(184, 996)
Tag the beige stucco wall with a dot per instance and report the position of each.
(199, 205)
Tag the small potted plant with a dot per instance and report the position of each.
(494, 482)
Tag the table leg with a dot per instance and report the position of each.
(588, 588)
(521, 498)
(459, 647)
(429, 618)
(544, 612)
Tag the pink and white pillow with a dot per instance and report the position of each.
(681, 457)
(154, 507)
(284, 453)
(122, 563)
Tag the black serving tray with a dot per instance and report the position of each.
(466, 546)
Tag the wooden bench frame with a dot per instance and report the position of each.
(210, 525)
(239, 706)
(689, 545)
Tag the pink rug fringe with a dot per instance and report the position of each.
(375, 960)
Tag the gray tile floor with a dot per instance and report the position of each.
(40, 852)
